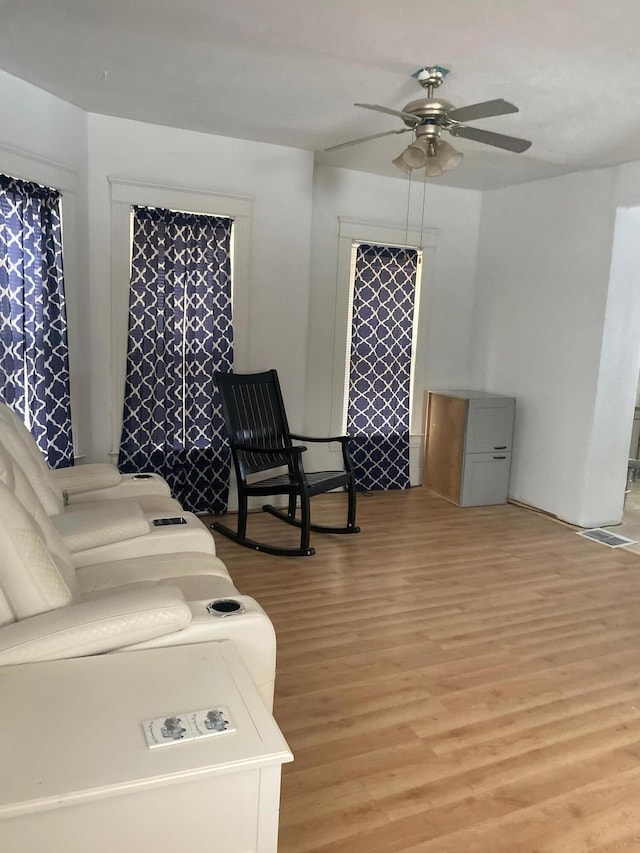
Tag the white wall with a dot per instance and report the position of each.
(48, 129)
(545, 331)
(446, 308)
(627, 197)
(280, 182)
(615, 396)
(44, 139)
(551, 310)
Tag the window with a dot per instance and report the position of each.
(34, 357)
(354, 232)
(180, 334)
(380, 346)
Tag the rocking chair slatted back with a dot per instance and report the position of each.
(254, 415)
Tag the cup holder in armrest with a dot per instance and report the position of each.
(225, 607)
(142, 477)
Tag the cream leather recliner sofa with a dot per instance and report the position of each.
(94, 481)
(110, 523)
(50, 608)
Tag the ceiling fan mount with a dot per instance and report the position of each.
(430, 77)
(429, 117)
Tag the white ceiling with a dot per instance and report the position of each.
(289, 72)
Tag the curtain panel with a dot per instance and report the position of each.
(34, 355)
(180, 333)
(380, 365)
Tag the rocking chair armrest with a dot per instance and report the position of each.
(251, 448)
(341, 438)
(344, 446)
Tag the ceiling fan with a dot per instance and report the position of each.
(428, 117)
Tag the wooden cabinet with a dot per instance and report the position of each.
(467, 454)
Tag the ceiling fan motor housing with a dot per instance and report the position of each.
(430, 132)
(427, 110)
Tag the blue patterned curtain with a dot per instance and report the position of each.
(34, 358)
(380, 365)
(180, 333)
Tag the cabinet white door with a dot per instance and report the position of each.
(485, 479)
(489, 425)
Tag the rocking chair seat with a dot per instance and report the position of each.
(260, 441)
(316, 482)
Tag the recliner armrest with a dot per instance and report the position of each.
(84, 478)
(99, 625)
(87, 528)
(130, 486)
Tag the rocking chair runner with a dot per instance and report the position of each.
(260, 441)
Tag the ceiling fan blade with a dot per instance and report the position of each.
(499, 140)
(389, 111)
(484, 110)
(367, 138)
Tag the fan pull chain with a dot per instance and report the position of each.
(424, 196)
(406, 224)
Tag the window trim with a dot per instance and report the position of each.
(351, 231)
(124, 194)
(414, 326)
(29, 166)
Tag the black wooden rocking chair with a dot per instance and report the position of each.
(260, 441)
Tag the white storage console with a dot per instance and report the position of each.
(468, 442)
(78, 775)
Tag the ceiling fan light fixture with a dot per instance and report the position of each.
(433, 167)
(400, 164)
(433, 155)
(415, 155)
(448, 156)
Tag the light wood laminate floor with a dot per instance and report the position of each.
(452, 681)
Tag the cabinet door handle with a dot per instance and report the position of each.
(504, 447)
(499, 457)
